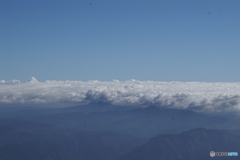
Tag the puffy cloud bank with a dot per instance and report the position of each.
(199, 96)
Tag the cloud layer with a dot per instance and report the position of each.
(199, 96)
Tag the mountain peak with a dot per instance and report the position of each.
(32, 80)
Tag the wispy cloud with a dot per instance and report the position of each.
(199, 96)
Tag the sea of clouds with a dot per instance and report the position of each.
(198, 96)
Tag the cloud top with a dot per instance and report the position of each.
(199, 96)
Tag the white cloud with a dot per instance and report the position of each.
(191, 95)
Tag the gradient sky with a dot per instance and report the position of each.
(158, 40)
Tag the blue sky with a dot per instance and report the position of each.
(158, 40)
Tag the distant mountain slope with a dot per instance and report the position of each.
(132, 120)
(195, 144)
(27, 140)
(143, 122)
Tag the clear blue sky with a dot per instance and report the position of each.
(159, 40)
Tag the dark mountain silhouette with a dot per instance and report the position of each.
(106, 132)
(139, 122)
(27, 140)
(194, 144)
(142, 122)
